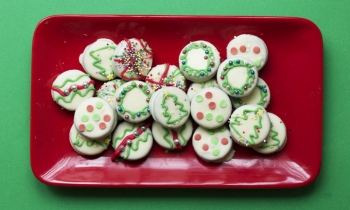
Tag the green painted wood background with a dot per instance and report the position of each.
(20, 189)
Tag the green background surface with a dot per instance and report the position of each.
(20, 189)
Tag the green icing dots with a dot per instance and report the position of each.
(222, 129)
(99, 105)
(257, 63)
(210, 132)
(219, 118)
(214, 141)
(215, 152)
(89, 127)
(209, 117)
(84, 118)
(223, 103)
(199, 98)
(96, 117)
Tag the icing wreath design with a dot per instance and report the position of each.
(97, 62)
(263, 95)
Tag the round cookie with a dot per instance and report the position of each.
(131, 141)
(237, 76)
(213, 145)
(87, 147)
(132, 101)
(165, 75)
(97, 59)
(195, 87)
(211, 108)
(95, 118)
(172, 138)
(260, 96)
(250, 47)
(199, 61)
(133, 59)
(108, 89)
(249, 125)
(277, 137)
(170, 107)
(71, 88)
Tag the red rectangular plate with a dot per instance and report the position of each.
(294, 73)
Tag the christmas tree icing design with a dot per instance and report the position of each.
(275, 141)
(247, 136)
(97, 61)
(169, 113)
(171, 142)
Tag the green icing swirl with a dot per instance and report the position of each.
(90, 88)
(274, 138)
(79, 142)
(97, 61)
(168, 115)
(170, 142)
(70, 80)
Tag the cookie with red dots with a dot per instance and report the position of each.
(132, 101)
(213, 145)
(211, 108)
(250, 47)
(95, 118)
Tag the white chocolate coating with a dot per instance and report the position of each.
(195, 87)
(199, 61)
(95, 118)
(213, 145)
(166, 137)
(108, 89)
(66, 82)
(277, 137)
(84, 146)
(249, 125)
(97, 59)
(237, 76)
(211, 108)
(249, 46)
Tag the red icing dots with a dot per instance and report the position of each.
(90, 108)
(234, 51)
(242, 48)
(81, 127)
(212, 105)
(107, 118)
(200, 115)
(197, 137)
(256, 50)
(205, 147)
(102, 125)
(224, 141)
(208, 95)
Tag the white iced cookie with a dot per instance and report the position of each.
(277, 137)
(260, 96)
(132, 101)
(95, 118)
(166, 75)
(213, 145)
(71, 88)
(250, 47)
(237, 76)
(195, 87)
(199, 61)
(84, 146)
(249, 125)
(133, 59)
(170, 107)
(131, 141)
(108, 89)
(172, 138)
(97, 59)
(211, 108)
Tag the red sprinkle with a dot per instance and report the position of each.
(107, 118)
(233, 51)
(90, 108)
(200, 115)
(212, 105)
(197, 137)
(224, 141)
(208, 95)
(242, 48)
(205, 147)
(102, 125)
(81, 127)
(256, 50)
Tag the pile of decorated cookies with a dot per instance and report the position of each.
(140, 102)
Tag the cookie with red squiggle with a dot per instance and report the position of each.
(166, 75)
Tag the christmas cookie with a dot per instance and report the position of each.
(199, 61)
(172, 138)
(108, 89)
(250, 47)
(211, 108)
(97, 59)
(71, 88)
(132, 101)
(95, 118)
(237, 76)
(213, 145)
(259, 96)
(249, 125)
(277, 137)
(166, 75)
(131, 141)
(195, 87)
(132, 59)
(84, 146)
(170, 107)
